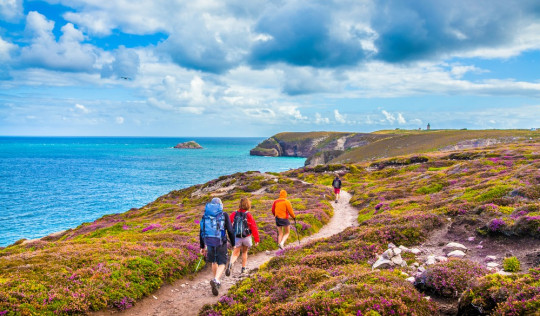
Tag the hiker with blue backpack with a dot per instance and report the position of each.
(213, 239)
(244, 227)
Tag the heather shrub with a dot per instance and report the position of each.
(495, 294)
(511, 264)
(451, 278)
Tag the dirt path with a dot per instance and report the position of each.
(187, 295)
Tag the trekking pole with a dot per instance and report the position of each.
(296, 229)
(198, 264)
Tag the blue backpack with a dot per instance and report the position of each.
(213, 222)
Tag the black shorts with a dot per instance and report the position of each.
(282, 222)
(217, 254)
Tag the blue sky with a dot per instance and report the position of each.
(255, 68)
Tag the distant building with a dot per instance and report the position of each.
(428, 127)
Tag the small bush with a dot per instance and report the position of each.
(511, 264)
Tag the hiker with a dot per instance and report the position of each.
(213, 239)
(337, 186)
(244, 227)
(281, 209)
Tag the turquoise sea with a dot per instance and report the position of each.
(49, 184)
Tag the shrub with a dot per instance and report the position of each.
(449, 279)
(511, 264)
(496, 294)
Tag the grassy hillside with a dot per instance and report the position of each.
(119, 258)
(405, 142)
(490, 194)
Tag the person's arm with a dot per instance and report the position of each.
(232, 217)
(339, 184)
(253, 227)
(201, 242)
(274, 208)
(289, 209)
(229, 229)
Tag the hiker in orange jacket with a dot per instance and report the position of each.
(281, 209)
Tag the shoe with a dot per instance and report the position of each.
(214, 284)
(228, 270)
(244, 270)
(280, 246)
(336, 201)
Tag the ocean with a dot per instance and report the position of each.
(49, 184)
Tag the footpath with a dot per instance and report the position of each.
(188, 295)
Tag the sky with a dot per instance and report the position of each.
(256, 68)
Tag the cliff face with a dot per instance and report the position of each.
(318, 147)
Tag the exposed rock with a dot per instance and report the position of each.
(456, 254)
(383, 264)
(188, 145)
(415, 251)
(396, 251)
(490, 258)
(388, 254)
(404, 249)
(391, 246)
(430, 260)
(492, 265)
(411, 279)
(441, 259)
(397, 260)
(454, 246)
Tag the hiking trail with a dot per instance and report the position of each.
(189, 294)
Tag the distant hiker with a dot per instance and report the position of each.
(281, 209)
(213, 239)
(244, 227)
(337, 186)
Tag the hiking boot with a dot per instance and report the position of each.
(215, 285)
(228, 270)
(336, 201)
(280, 246)
(244, 270)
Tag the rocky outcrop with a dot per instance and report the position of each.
(188, 145)
(318, 147)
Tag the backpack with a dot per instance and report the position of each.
(213, 222)
(240, 225)
(336, 183)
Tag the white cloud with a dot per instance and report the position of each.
(119, 120)
(339, 117)
(68, 54)
(401, 119)
(319, 119)
(389, 116)
(5, 50)
(82, 108)
(126, 64)
(11, 10)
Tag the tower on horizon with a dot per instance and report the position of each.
(428, 127)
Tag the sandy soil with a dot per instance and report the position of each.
(187, 295)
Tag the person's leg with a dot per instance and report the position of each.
(235, 255)
(286, 231)
(219, 271)
(214, 269)
(280, 234)
(244, 256)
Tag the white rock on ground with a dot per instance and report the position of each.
(454, 246)
(388, 254)
(404, 249)
(415, 251)
(492, 265)
(382, 264)
(397, 260)
(430, 260)
(396, 251)
(411, 279)
(441, 259)
(391, 246)
(456, 254)
(490, 258)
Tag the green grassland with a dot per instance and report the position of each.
(403, 200)
(406, 142)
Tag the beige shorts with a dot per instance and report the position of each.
(246, 241)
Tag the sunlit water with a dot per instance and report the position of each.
(52, 184)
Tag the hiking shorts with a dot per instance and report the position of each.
(282, 222)
(337, 190)
(217, 254)
(246, 241)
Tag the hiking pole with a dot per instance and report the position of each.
(296, 229)
(198, 264)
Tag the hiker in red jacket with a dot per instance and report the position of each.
(244, 227)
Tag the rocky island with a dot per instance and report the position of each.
(189, 145)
